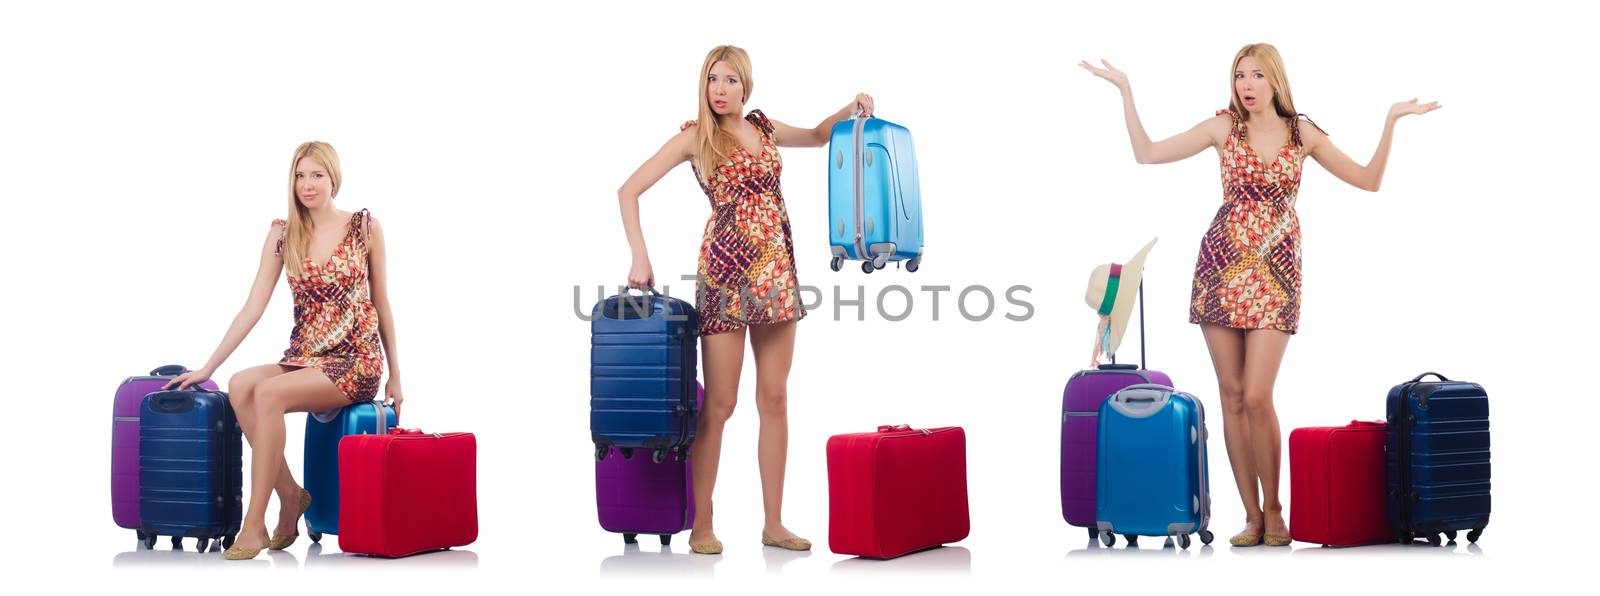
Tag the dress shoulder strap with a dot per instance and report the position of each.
(761, 121)
(283, 235)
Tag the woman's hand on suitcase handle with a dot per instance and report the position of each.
(641, 276)
(183, 381)
(1109, 73)
(392, 390)
(864, 104)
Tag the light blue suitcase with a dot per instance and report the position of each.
(323, 433)
(874, 200)
(1152, 466)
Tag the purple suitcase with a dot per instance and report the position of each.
(125, 441)
(638, 496)
(1080, 428)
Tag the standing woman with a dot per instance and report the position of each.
(335, 266)
(746, 278)
(1246, 295)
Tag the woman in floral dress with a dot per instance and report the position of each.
(334, 261)
(746, 275)
(1246, 295)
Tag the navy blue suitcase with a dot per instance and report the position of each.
(191, 468)
(1437, 459)
(642, 375)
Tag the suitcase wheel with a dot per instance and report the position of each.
(201, 544)
(1474, 534)
(227, 542)
(629, 538)
(600, 452)
(148, 540)
(1403, 537)
(140, 534)
(1433, 539)
(866, 267)
(177, 543)
(1183, 541)
(316, 537)
(1107, 538)
(1094, 533)
(1133, 540)
(666, 540)
(1206, 536)
(837, 263)
(913, 264)
(658, 456)
(1451, 535)
(880, 261)
(627, 453)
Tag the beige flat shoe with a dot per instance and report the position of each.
(1276, 540)
(707, 548)
(795, 543)
(277, 542)
(1243, 539)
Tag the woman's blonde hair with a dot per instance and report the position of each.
(1271, 67)
(299, 227)
(712, 144)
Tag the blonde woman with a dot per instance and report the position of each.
(334, 261)
(746, 278)
(1246, 294)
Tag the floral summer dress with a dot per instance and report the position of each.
(746, 269)
(335, 323)
(1248, 272)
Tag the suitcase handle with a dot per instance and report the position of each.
(893, 428)
(174, 400)
(1419, 377)
(170, 370)
(627, 305)
(1142, 400)
(1364, 423)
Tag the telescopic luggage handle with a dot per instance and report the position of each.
(1419, 377)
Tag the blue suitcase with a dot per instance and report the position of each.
(874, 200)
(191, 468)
(323, 432)
(642, 360)
(1152, 466)
(1437, 459)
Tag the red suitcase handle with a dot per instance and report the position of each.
(894, 428)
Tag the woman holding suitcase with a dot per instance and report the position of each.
(334, 261)
(746, 281)
(1246, 294)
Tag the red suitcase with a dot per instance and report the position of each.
(407, 492)
(896, 491)
(1336, 485)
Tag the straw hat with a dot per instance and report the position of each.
(1113, 289)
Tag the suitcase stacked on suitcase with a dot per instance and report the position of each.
(874, 199)
(896, 491)
(644, 396)
(125, 443)
(642, 376)
(1152, 476)
(321, 465)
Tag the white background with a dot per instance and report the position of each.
(144, 150)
